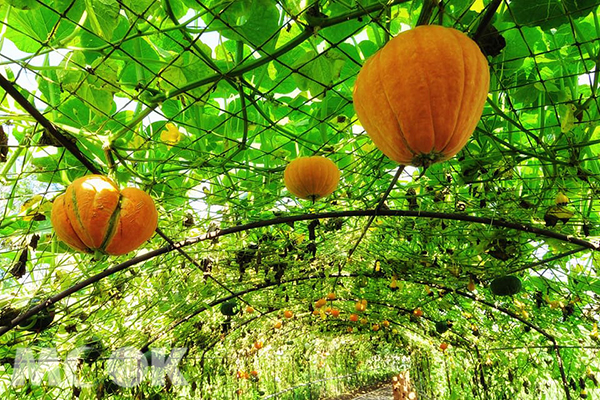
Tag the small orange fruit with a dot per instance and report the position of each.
(385, 323)
(254, 373)
(258, 344)
(375, 327)
(288, 314)
(316, 312)
(349, 329)
(249, 309)
(443, 346)
(361, 305)
(471, 285)
(331, 296)
(418, 312)
(335, 312)
(353, 317)
(320, 303)
(277, 325)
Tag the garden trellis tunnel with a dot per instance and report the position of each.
(202, 105)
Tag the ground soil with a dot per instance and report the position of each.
(357, 394)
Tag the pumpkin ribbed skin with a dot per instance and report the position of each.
(93, 215)
(311, 177)
(420, 97)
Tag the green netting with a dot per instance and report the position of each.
(203, 103)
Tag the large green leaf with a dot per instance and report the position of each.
(317, 72)
(548, 14)
(254, 21)
(103, 16)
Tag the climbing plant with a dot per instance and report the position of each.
(202, 105)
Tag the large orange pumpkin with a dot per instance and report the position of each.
(311, 177)
(420, 97)
(95, 216)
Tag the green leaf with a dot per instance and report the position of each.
(339, 33)
(31, 28)
(23, 4)
(103, 16)
(256, 22)
(105, 76)
(547, 14)
(100, 100)
(72, 72)
(316, 72)
(173, 76)
(260, 30)
(142, 7)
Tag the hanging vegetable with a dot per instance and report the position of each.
(506, 286)
(420, 97)
(311, 177)
(560, 211)
(95, 216)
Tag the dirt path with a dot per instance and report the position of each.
(377, 392)
(382, 393)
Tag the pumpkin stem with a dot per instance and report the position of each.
(99, 255)
(426, 160)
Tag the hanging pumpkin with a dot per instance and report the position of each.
(95, 216)
(420, 97)
(311, 177)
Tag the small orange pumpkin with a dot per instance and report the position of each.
(320, 303)
(94, 215)
(311, 177)
(420, 97)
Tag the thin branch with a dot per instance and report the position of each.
(486, 19)
(43, 121)
(523, 152)
(377, 210)
(547, 260)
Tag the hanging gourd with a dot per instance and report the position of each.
(94, 216)
(506, 285)
(420, 97)
(311, 177)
